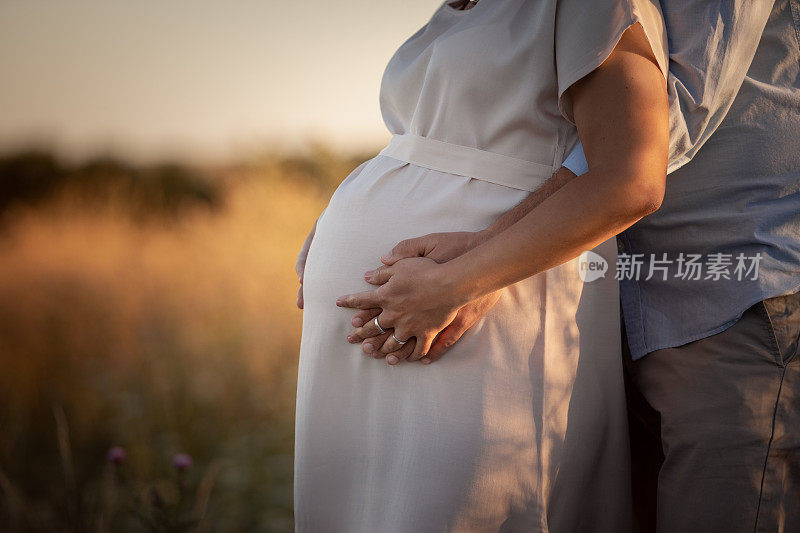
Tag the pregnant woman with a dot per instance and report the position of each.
(521, 427)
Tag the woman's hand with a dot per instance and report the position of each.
(375, 344)
(441, 247)
(416, 301)
(300, 265)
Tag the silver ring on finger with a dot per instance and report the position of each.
(398, 341)
(381, 331)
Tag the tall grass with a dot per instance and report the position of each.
(161, 336)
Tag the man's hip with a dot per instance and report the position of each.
(726, 411)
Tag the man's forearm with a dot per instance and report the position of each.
(556, 181)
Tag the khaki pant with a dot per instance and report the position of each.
(715, 427)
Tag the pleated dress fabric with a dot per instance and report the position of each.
(521, 426)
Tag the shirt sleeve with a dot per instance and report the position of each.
(586, 32)
(576, 161)
(707, 67)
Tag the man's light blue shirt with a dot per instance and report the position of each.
(733, 191)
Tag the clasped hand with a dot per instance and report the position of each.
(415, 304)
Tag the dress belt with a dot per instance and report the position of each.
(467, 161)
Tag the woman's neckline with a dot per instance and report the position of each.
(461, 12)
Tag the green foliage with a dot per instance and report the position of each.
(30, 178)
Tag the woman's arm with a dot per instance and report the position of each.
(621, 113)
(443, 247)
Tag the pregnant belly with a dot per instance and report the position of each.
(383, 202)
(480, 425)
(349, 408)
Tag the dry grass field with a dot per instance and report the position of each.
(161, 326)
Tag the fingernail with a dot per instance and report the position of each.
(349, 338)
(368, 348)
(368, 273)
(425, 361)
(357, 322)
(339, 303)
(392, 360)
(384, 258)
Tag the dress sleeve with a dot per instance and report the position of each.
(586, 32)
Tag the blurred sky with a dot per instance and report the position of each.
(201, 79)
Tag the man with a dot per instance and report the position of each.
(709, 283)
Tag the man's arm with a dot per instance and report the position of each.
(443, 247)
(626, 95)
(505, 221)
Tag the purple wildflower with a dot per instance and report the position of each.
(116, 455)
(182, 461)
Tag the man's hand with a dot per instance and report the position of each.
(467, 317)
(441, 247)
(300, 265)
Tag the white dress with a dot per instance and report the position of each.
(521, 426)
